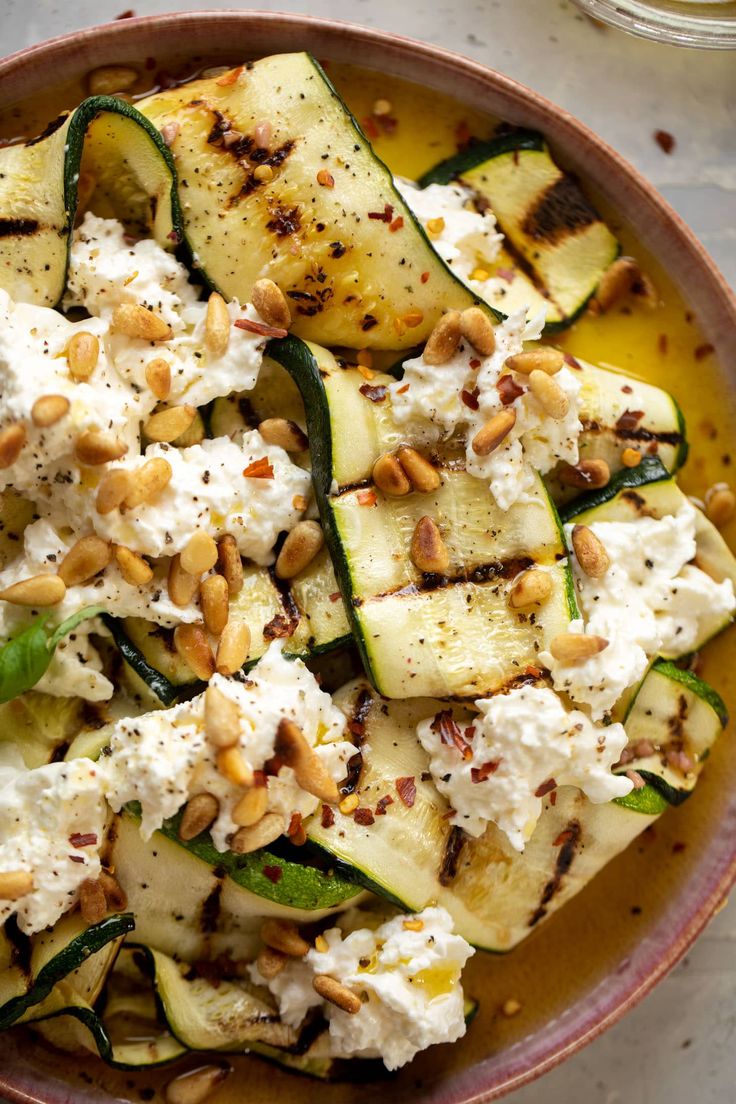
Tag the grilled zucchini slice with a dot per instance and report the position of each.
(125, 167)
(554, 237)
(412, 855)
(326, 224)
(421, 634)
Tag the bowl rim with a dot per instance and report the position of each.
(660, 227)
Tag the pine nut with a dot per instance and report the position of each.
(337, 993)
(195, 1087)
(259, 835)
(299, 549)
(541, 359)
(251, 807)
(284, 433)
(114, 488)
(38, 591)
(111, 78)
(549, 394)
(12, 439)
(193, 646)
(720, 504)
(428, 550)
(137, 321)
(148, 482)
(283, 935)
(199, 813)
(616, 282)
(494, 432)
(94, 448)
(422, 475)
(85, 559)
(390, 477)
(531, 588)
(48, 410)
(569, 648)
(232, 651)
(134, 569)
(217, 325)
(213, 599)
(82, 354)
(158, 377)
(382, 107)
(230, 563)
(263, 174)
(631, 458)
(15, 884)
(294, 749)
(92, 903)
(221, 718)
(475, 326)
(444, 339)
(114, 893)
(587, 475)
(270, 963)
(166, 425)
(200, 553)
(270, 302)
(180, 584)
(590, 552)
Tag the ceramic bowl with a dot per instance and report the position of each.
(606, 949)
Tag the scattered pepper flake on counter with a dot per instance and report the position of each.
(665, 140)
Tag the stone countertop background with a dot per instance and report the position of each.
(679, 1045)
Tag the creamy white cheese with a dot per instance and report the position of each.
(651, 600)
(43, 812)
(432, 402)
(33, 343)
(408, 981)
(106, 271)
(208, 491)
(464, 237)
(162, 758)
(76, 668)
(519, 742)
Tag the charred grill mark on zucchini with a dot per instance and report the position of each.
(560, 211)
(496, 571)
(564, 861)
(18, 228)
(356, 727)
(451, 856)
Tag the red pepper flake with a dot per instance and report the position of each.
(259, 328)
(678, 847)
(335, 596)
(259, 469)
(295, 831)
(174, 236)
(571, 362)
(382, 804)
(396, 224)
(366, 498)
(127, 14)
(553, 797)
(470, 398)
(507, 274)
(508, 390)
(229, 78)
(407, 790)
(76, 858)
(259, 778)
(386, 215)
(273, 873)
(462, 135)
(424, 277)
(545, 788)
(665, 140)
(388, 124)
(328, 816)
(484, 771)
(355, 727)
(83, 839)
(403, 390)
(363, 816)
(449, 733)
(474, 363)
(629, 420)
(702, 351)
(376, 394)
(369, 127)
(663, 343)
(627, 389)
(564, 837)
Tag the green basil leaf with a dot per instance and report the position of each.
(25, 659)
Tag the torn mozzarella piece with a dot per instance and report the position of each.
(493, 770)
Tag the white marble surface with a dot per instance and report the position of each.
(679, 1046)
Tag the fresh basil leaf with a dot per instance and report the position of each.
(25, 659)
